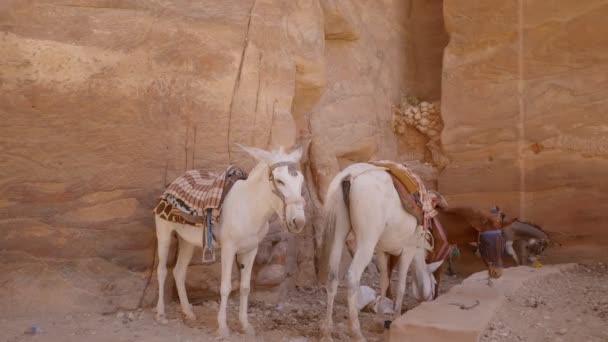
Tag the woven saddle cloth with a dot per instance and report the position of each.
(190, 197)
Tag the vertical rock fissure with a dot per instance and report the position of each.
(238, 80)
(522, 109)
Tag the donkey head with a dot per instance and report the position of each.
(425, 285)
(286, 182)
(492, 243)
(491, 246)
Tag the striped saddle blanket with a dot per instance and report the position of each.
(193, 196)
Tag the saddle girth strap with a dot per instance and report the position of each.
(208, 238)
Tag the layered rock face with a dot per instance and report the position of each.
(523, 102)
(104, 103)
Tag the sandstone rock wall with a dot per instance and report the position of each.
(523, 102)
(104, 102)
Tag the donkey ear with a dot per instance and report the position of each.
(432, 267)
(257, 153)
(296, 154)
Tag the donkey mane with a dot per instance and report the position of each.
(474, 217)
(530, 223)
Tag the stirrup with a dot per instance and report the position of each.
(206, 251)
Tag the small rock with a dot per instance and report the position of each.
(213, 305)
(130, 316)
(32, 330)
(562, 331)
(299, 339)
(365, 296)
(382, 305)
(120, 315)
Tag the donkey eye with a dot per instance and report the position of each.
(280, 182)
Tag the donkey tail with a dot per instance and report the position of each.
(336, 217)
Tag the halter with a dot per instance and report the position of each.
(492, 256)
(292, 168)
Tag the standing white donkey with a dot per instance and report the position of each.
(274, 185)
(362, 198)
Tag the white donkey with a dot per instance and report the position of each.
(362, 198)
(274, 185)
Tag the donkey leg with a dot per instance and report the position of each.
(163, 236)
(382, 262)
(225, 287)
(363, 256)
(332, 280)
(392, 263)
(511, 252)
(437, 275)
(247, 265)
(179, 273)
(406, 260)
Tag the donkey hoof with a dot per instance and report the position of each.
(360, 338)
(248, 330)
(357, 336)
(190, 316)
(160, 318)
(223, 333)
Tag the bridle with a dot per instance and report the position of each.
(492, 250)
(494, 242)
(293, 169)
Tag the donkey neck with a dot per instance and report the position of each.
(420, 264)
(257, 191)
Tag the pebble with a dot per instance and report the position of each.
(120, 315)
(562, 331)
(299, 339)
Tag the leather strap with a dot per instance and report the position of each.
(293, 169)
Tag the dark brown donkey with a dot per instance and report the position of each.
(463, 226)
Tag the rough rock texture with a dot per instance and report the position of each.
(523, 102)
(463, 313)
(104, 102)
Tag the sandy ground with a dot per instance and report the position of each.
(572, 306)
(296, 319)
(568, 307)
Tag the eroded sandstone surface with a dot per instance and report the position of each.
(523, 103)
(105, 102)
